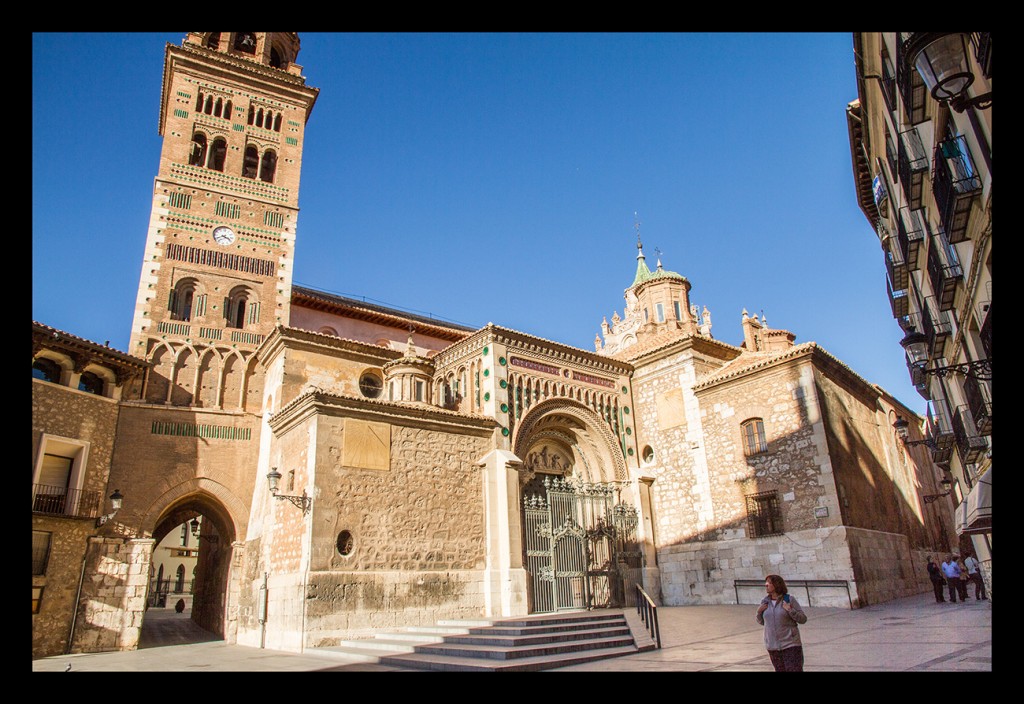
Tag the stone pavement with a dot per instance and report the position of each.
(912, 634)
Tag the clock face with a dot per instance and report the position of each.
(223, 235)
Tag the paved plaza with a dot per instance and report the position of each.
(907, 635)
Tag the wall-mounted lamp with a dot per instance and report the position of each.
(901, 425)
(303, 502)
(946, 482)
(115, 503)
(916, 345)
(194, 525)
(944, 63)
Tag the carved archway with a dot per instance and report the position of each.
(565, 423)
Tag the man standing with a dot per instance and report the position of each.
(974, 575)
(951, 571)
(935, 575)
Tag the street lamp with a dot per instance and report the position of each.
(943, 61)
(194, 525)
(916, 345)
(115, 503)
(946, 482)
(901, 426)
(303, 502)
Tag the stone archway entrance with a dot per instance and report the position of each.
(210, 532)
(580, 542)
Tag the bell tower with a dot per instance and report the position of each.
(217, 271)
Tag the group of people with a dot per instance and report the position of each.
(956, 574)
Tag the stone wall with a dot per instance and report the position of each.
(92, 420)
(704, 572)
(113, 600)
(417, 530)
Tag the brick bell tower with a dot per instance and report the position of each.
(217, 270)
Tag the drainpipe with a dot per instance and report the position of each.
(261, 610)
(78, 595)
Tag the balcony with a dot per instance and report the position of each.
(888, 82)
(895, 265)
(982, 42)
(969, 442)
(898, 299)
(939, 429)
(910, 230)
(62, 501)
(986, 332)
(979, 401)
(944, 271)
(937, 326)
(956, 184)
(912, 159)
(891, 157)
(910, 83)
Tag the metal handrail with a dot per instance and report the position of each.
(648, 611)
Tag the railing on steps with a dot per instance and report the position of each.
(648, 613)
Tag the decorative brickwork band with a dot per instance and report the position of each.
(200, 430)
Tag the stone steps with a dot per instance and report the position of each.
(498, 645)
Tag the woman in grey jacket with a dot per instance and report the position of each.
(780, 613)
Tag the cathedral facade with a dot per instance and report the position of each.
(357, 467)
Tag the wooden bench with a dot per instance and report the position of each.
(792, 583)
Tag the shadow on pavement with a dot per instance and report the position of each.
(162, 627)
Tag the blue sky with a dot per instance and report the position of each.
(494, 178)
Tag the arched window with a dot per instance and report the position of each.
(218, 106)
(268, 119)
(268, 166)
(181, 299)
(46, 369)
(198, 155)
(250, 162)
(237, 305)
(245, 42)
(277, 122)
(199, 101)
(179, 580)
(213, 41)
(753, 437)
(209, 105)
(275, 58)
(227, 110)
(91, 383)
(259, 117)
(218, 150)
(252, 114)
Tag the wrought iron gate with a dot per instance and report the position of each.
(581, 547)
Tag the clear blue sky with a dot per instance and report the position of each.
(494, 178)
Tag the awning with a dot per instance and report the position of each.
(978, 506)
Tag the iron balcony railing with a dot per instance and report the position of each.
(910, 230)
(939, 429)
(982, 42)
(955, 183)
(898, 298)
(62, 501)
(890, 156)
(895, 264)
(937, 326)
(912, 158)
(648, 611)
(969, 442)
(912, 88)
(944, 270)
(888, 84)
(979, 401)
(986, 332)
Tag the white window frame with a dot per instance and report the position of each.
(78, 450)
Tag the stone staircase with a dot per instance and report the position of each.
(525, 644)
